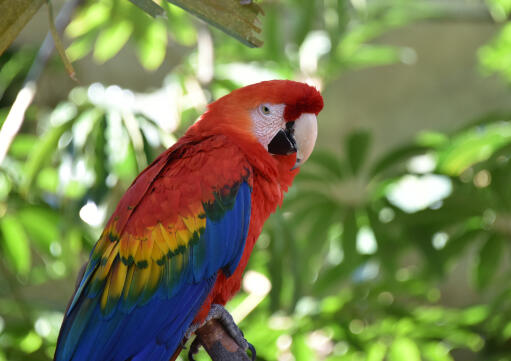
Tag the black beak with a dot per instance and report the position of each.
(283, 143)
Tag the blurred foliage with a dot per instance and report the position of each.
(359, 252)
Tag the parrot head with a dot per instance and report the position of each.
(279, 115)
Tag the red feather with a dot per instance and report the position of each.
(272, 175)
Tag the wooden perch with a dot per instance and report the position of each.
(218, 344)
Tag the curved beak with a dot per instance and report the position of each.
(299, 137)
(305, 134)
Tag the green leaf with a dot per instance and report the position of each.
(404, 349)
(100, 159)
(180, 25)
(5, 188)
(16, 66)
(472, 146)
(327, 164)
(22, 145)
(300, 349)
(432, 139)
(307, 12)
(488, 261)
(357, 147)
(373, 55)
(376, 352)
(436, 351)
(15, 244)
(42, 152)
(153, 45)
(48, 179)
(349, 236)
(395, 157)
(495, 56)
(500, 9)
(275, 264)
(111, 40)
(31, 342)
(41, 224)
(81, 46)
(93, 16)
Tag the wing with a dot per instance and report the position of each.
(181, 221)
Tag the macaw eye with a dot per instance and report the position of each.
(265, 109)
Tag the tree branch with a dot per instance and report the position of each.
(218, 344)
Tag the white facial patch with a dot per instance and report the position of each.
(268, 119)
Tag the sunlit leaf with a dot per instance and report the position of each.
(500, 9)
(48, 179)
(404, 349)
(111, 40)
(436, 351)
(90, 17)
(376, 352)
(495, 57)
(474, 145)
(15, 244)
(152, 46)
(5, 188)
(301, 350)
(22, 145)
(432, 139)
(180, 24)
(372, 55)
(74, 189)
(31, 342)
(81, 46)
(475, 314)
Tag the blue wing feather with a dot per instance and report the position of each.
(153, 330)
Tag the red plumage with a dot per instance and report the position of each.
(272, 175)
(181, 228)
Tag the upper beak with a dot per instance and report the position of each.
(305, 134)
(299, 137)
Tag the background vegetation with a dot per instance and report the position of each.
(362, 255)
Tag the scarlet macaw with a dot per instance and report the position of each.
(181, 236)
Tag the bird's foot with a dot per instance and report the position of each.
(219, 313)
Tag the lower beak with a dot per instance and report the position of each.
(305, 134)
